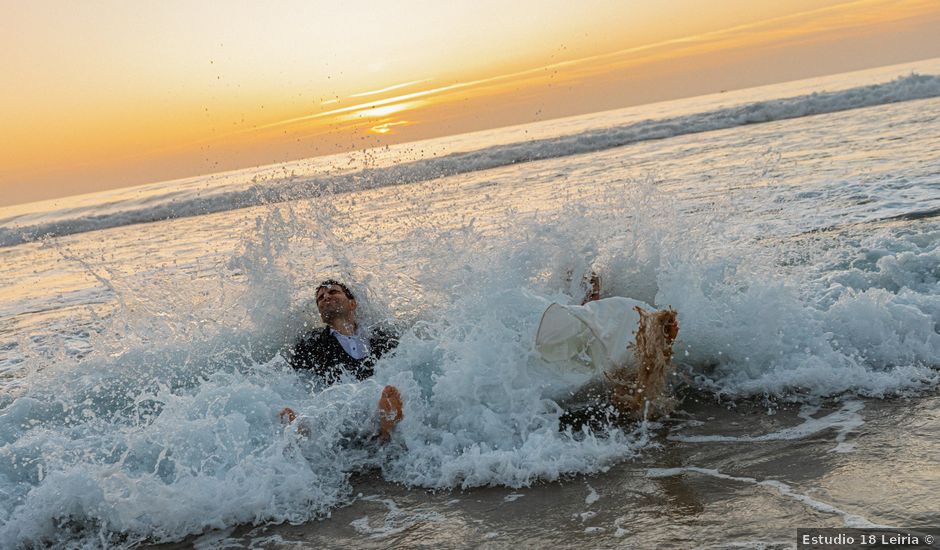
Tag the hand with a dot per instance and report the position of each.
(287, 415)
(592, 287)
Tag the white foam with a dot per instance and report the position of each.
(394, 522)
(592, 496)
(869, 335)
(849, 519)
(586, 515)
(170, 429)
(847, 419)
(214, 540)
(619, 530)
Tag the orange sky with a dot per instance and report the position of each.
(105, 94)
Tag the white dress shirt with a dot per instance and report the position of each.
(357, 345)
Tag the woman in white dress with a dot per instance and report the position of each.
(625, 340)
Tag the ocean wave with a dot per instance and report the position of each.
(168, 426)
(245, 191)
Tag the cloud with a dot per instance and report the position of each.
(816, 25)
(390, 88)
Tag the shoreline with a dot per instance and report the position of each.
(678, 494)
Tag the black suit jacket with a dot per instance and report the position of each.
(322, 353)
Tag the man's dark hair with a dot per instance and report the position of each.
(330, 282)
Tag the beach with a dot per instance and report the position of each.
(794, 228)
(868, 462)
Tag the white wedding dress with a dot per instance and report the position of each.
(592, 338)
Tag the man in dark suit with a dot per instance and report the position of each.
(344, 348)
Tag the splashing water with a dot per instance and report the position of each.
(144, 409)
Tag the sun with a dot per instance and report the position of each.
(377, 111)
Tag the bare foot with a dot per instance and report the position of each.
(390, 413)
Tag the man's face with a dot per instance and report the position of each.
(332, 303)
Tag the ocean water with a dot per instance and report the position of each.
(794, 228)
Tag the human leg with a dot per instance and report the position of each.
(641, 393)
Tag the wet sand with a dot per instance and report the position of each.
(713, 479)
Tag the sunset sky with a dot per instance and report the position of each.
(103, 94)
